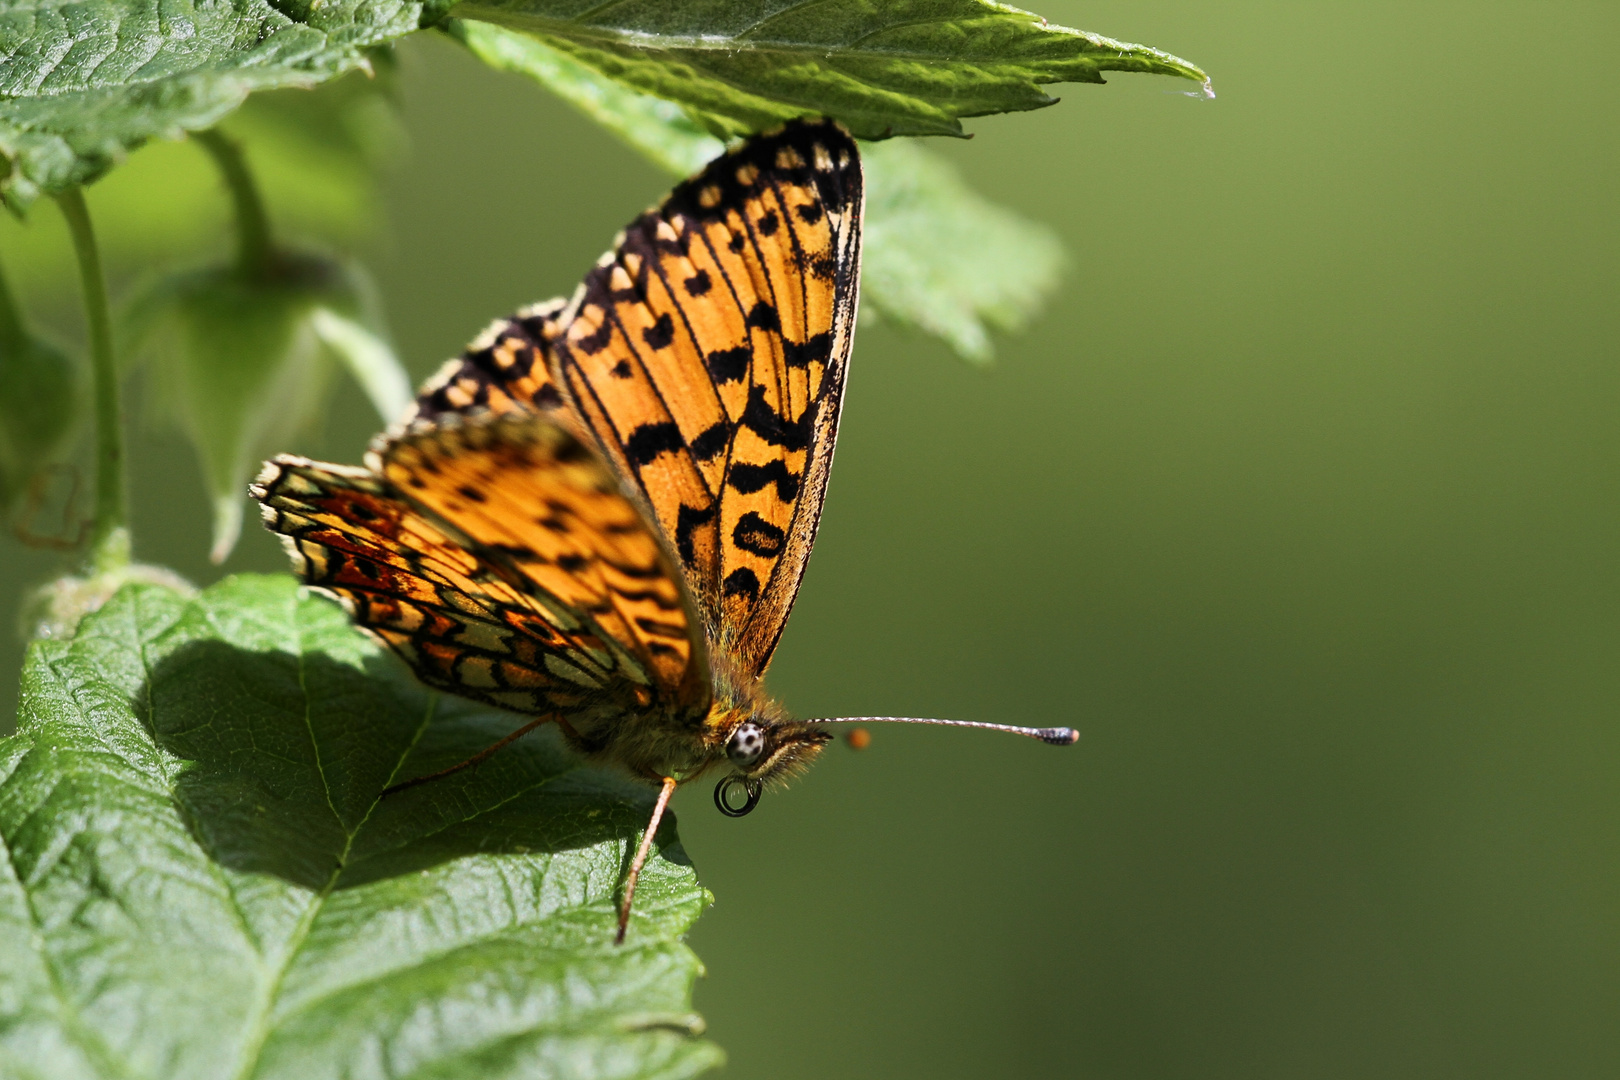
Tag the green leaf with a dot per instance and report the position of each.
(942, 258)
(937, 255)
(199, 881)
(359, 345)
(41, 399)
(896, 67)
(662, 130)
(86, 81)
(318, 157)
(243, 361)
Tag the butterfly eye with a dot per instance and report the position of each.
(745, 745)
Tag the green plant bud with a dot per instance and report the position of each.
(55, 609)
(243, 361)
(41, 400)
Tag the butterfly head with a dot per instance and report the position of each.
(763, 749)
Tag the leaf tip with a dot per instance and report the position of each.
(227, 526)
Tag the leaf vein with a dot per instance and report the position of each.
(75, 1024)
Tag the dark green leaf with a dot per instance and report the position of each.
(243, 361)
(938, 256)
(199, 880)
(86, 81)
(41, 397)
(883, 67)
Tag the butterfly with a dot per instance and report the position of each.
(599, 515)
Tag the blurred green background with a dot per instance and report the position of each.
(1300, 502)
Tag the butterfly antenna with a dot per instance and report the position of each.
(1057, 736)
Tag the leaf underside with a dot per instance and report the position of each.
(84, 82)
(200, 881)
(896, 67)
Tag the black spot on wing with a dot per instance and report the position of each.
(698, 283)
(742, 582)
(711, 441)
(800, 355)
(769, 223)
(810, 213)
(470, 492)
(687, 519)
(621, 370)
(748, 479)
(659, 597)
(728, 365)
(597, 340)
(763, 421)
(764, 317)
(649, 440)
(754, 534)
(647, 572)
(661, 333)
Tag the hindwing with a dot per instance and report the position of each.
(506, 367)
(500, 559)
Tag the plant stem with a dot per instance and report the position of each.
(12, 331)
(252, 223)
(109, 534)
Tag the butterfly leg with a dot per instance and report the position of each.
(470, 762)
(640, 860)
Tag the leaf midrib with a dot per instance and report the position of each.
(247, 75)
(261, 1025)
(571, 30)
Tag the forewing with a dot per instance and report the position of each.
(561, 601)
(707, 354)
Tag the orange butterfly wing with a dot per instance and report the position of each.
(506, 367)
(499, 558)
(707, 355)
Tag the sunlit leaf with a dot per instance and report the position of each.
(368, 359)
(318, 157)
(85, 82)
(199, 880)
